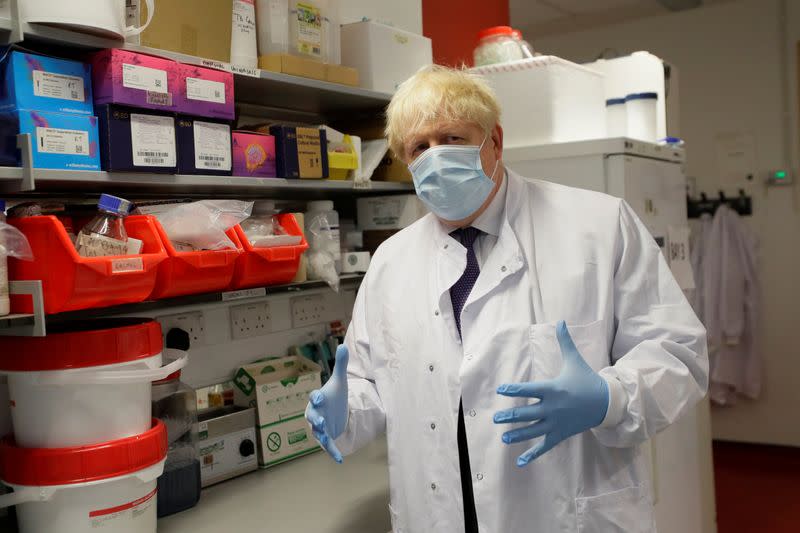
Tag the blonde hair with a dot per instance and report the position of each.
(437, 93)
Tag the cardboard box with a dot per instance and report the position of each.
(199, 28)
(204, 146)
(46, 84)
(131, 78)
(293, 65)
(137, 140)
(59, 140)
(205, 92)
(300, 152)
(342, 75)
(226, 443)
(279, 389)
(254, 155)
(389, 212)
(391, 168)
(383, 55)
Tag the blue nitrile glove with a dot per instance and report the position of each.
(575, 401)
(327, 408)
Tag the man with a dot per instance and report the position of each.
(517, 344)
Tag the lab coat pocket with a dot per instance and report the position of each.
(590, 339)
(623, 511)
(396, 527)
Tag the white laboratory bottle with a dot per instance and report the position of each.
(244, 50)
(5, 304)
(105, 235)
(616, 117)
(322, 230)
(642, 116)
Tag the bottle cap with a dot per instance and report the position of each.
(114, 204)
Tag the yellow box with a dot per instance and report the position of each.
(293, 65)
(341, 75)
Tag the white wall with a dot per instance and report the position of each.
(732, 66)
(404, 14)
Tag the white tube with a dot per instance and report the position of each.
(244, 50)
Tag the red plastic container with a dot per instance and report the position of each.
(258, 267)
(71, 282)
(194, 272)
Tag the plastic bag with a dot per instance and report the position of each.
(321, 263)
(13, 243)
(202, 225)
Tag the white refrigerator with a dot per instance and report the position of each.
(651, 179)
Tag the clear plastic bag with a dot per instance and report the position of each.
(202, 225)
(13, 243)
(321, 262)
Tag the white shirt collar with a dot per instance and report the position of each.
(491, 220)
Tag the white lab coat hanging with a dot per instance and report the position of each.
(562, 254)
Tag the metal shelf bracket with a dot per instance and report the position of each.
(26, 325)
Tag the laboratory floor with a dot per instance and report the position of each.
(756, 488)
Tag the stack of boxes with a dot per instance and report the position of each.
(51, 100)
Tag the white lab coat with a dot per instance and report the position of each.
(562, 253)
(724, 259)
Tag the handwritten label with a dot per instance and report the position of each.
(130, 264)
(242, 294)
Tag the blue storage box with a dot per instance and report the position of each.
(59, 140)
(43, 83)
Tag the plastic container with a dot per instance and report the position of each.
(307, 36)
(497, 45)
(642, 113)
(71, 282)
(80, 489)
(322, 222)
(5, 303)
(84, 382)
(105, 234)
(616, 117)
(272, 24)
(525, 46)
(258, 267)
(194, 272)
(175, 404)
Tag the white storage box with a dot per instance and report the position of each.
(547, 100)
(384, 56)
(640, 72)
(389, 212)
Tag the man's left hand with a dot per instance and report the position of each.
(575, 401)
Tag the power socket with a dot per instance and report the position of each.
(192, 323)
(250, 320)
(308, 310)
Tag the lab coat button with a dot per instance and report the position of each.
(430, 367)
(472, 412)
(503, 268)
(446, 246)
(436, 312)
(479, 476)
(433, 486)
(433, 425)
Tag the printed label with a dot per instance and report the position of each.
(58, 141)
(52, 85)
(244, 293)
(131, 12)
(144, 78)
(212, 146)
(309, 152)
(156, 98)
(205, 90)
(309, 30)
(94, 245)
(110, 517)
(153, 140)
(235, 69)
(131, 264)
(220, 456)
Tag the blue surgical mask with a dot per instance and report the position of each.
(450, 180)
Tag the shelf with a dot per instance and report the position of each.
(12, 180)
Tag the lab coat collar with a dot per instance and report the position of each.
(491, 220)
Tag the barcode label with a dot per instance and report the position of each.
(153, 140)
(212, 146)
(60, 141)
(205, 90)
(145, 78)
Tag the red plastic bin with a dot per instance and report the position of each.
(194, 272)
(71, 282)
(258, 267)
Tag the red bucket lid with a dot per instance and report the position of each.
(495, 30)
(38, 467)
(82, 344)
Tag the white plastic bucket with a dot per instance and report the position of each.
(616, 117)
(80, 406)
(103, 17)
(124, 503)
(642, 115)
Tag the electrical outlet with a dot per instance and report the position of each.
(308, 310)
(250, 320)
(192, 323)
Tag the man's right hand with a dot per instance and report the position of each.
(327, 409)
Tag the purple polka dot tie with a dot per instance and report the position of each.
(460, 291)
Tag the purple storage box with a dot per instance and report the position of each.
(136, 140)
(139, 80)
(253, 154)
(204, 146)
(205, 92)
